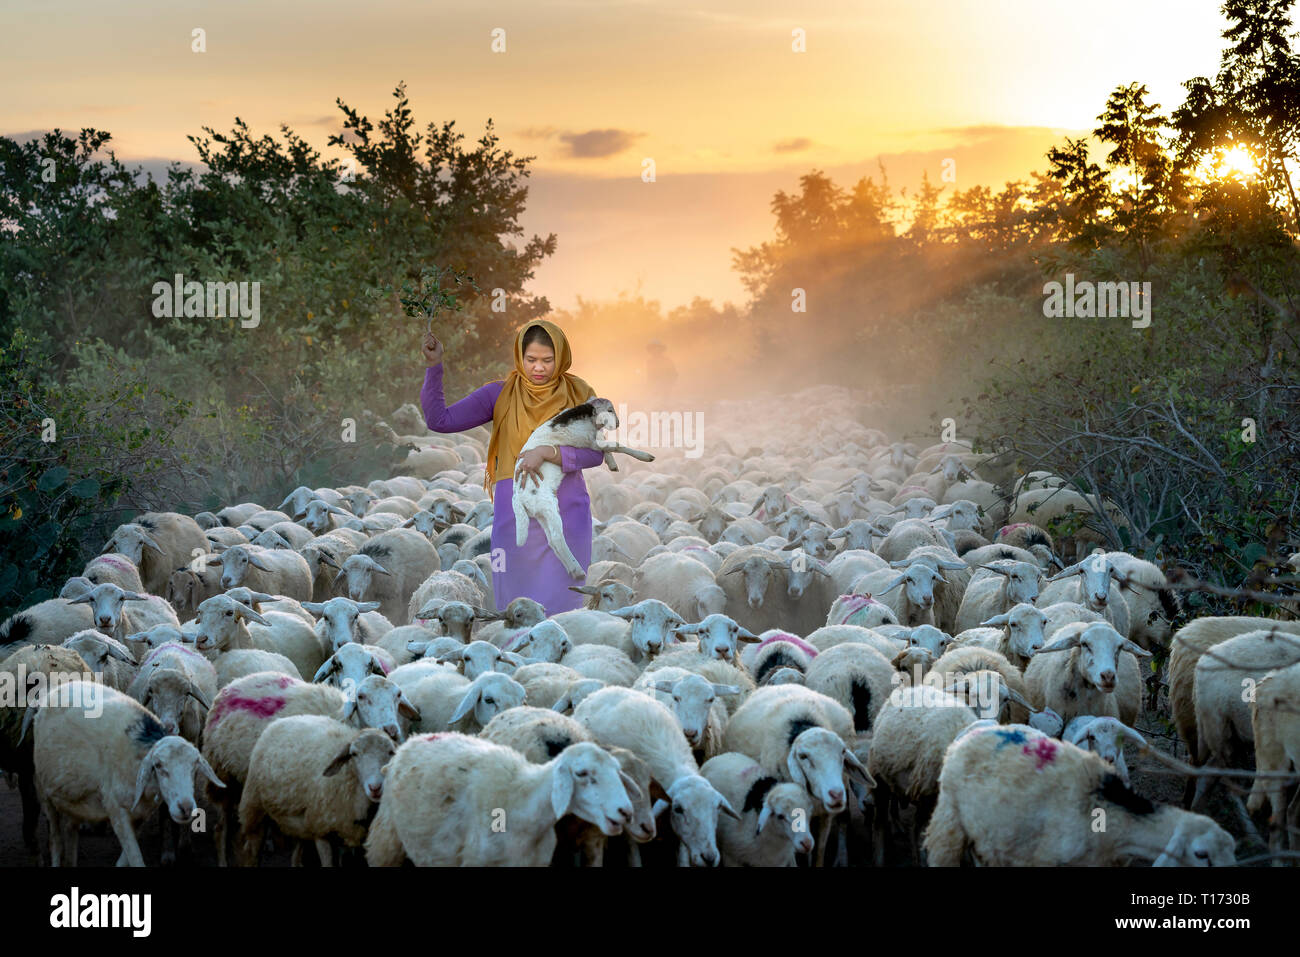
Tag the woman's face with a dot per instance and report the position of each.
(539, 362)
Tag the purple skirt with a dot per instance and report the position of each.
(534, 571)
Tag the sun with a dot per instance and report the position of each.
(1230, 162)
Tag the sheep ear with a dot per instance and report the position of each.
(1061, 644)
(350, 706)
(511, 658)
(200, 697)
(330, 666)
(1134, 648)
(561, 790)
(892, 585)
(148, 540)
(858, 769)
(633, 789)
(256, 562)
(376, 567)
(660, 806)
(744, 634)
(314, 607)
(796, 772)
(121, 654)
(584, 589)
(487, 615)
(763, 817)
(726, 689)
(335, 766)
(725, 807)
(365, 606)
(456, 654)
(664, 687)
(563, 705)
(142, 777)
(466, 705)
(243, 611)
(625, 612)
(405, 708)
(85, 599)
(688, 629)
(1066, 572)
(997, 621)
(208, 773)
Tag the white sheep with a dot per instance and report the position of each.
(316, 779)
(158, 543)
(100, 754)
(579, 427)
(276, 571)
(996, 588)
(1274, 719)
(177, 684)
(1096, 589)
(1016, 634)
(695, 701)
(447, 699)
(450, 799)
(681, 582)
(999, 785)
(856, 676)
(109, 659)
(775, 816)
(388, 569)
(1104, 737)
(621, 717)
(1099, 675)
(1225, 679)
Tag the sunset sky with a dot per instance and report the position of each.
(711, 91)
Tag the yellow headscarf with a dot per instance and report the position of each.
(524, 405)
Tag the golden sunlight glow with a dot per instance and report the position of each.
(1232, 162)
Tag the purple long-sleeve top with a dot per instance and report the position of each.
(533, 570)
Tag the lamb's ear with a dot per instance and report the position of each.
(466, 705)
(561, 790)
(335, 766)
(763, 816)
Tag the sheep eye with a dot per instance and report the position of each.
(489, 701)
(229, 613)
(677, 810)
(803, 755)
(580, 774)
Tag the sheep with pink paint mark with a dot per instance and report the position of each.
(860, 609)
(777, 649)
(243, 709)
(178, 685)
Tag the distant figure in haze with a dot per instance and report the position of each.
(538, 387)
(660, 374)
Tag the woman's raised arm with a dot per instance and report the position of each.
(474, 409)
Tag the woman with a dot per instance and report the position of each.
(538, 388)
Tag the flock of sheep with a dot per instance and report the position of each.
(810, 645)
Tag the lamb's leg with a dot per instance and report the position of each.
(553, 526)
(120, 819)
(635, 453)
(521, 518)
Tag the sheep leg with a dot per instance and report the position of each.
(944, 840)
(823, 835)
(55, 821)
(324, 852)
(31, 810)
(633, 854)
(120, 819)
(683, 855)
(295, 858)
(883, 799)
(167, 829)
(553, 526)
(252, 832)
(521, 518)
